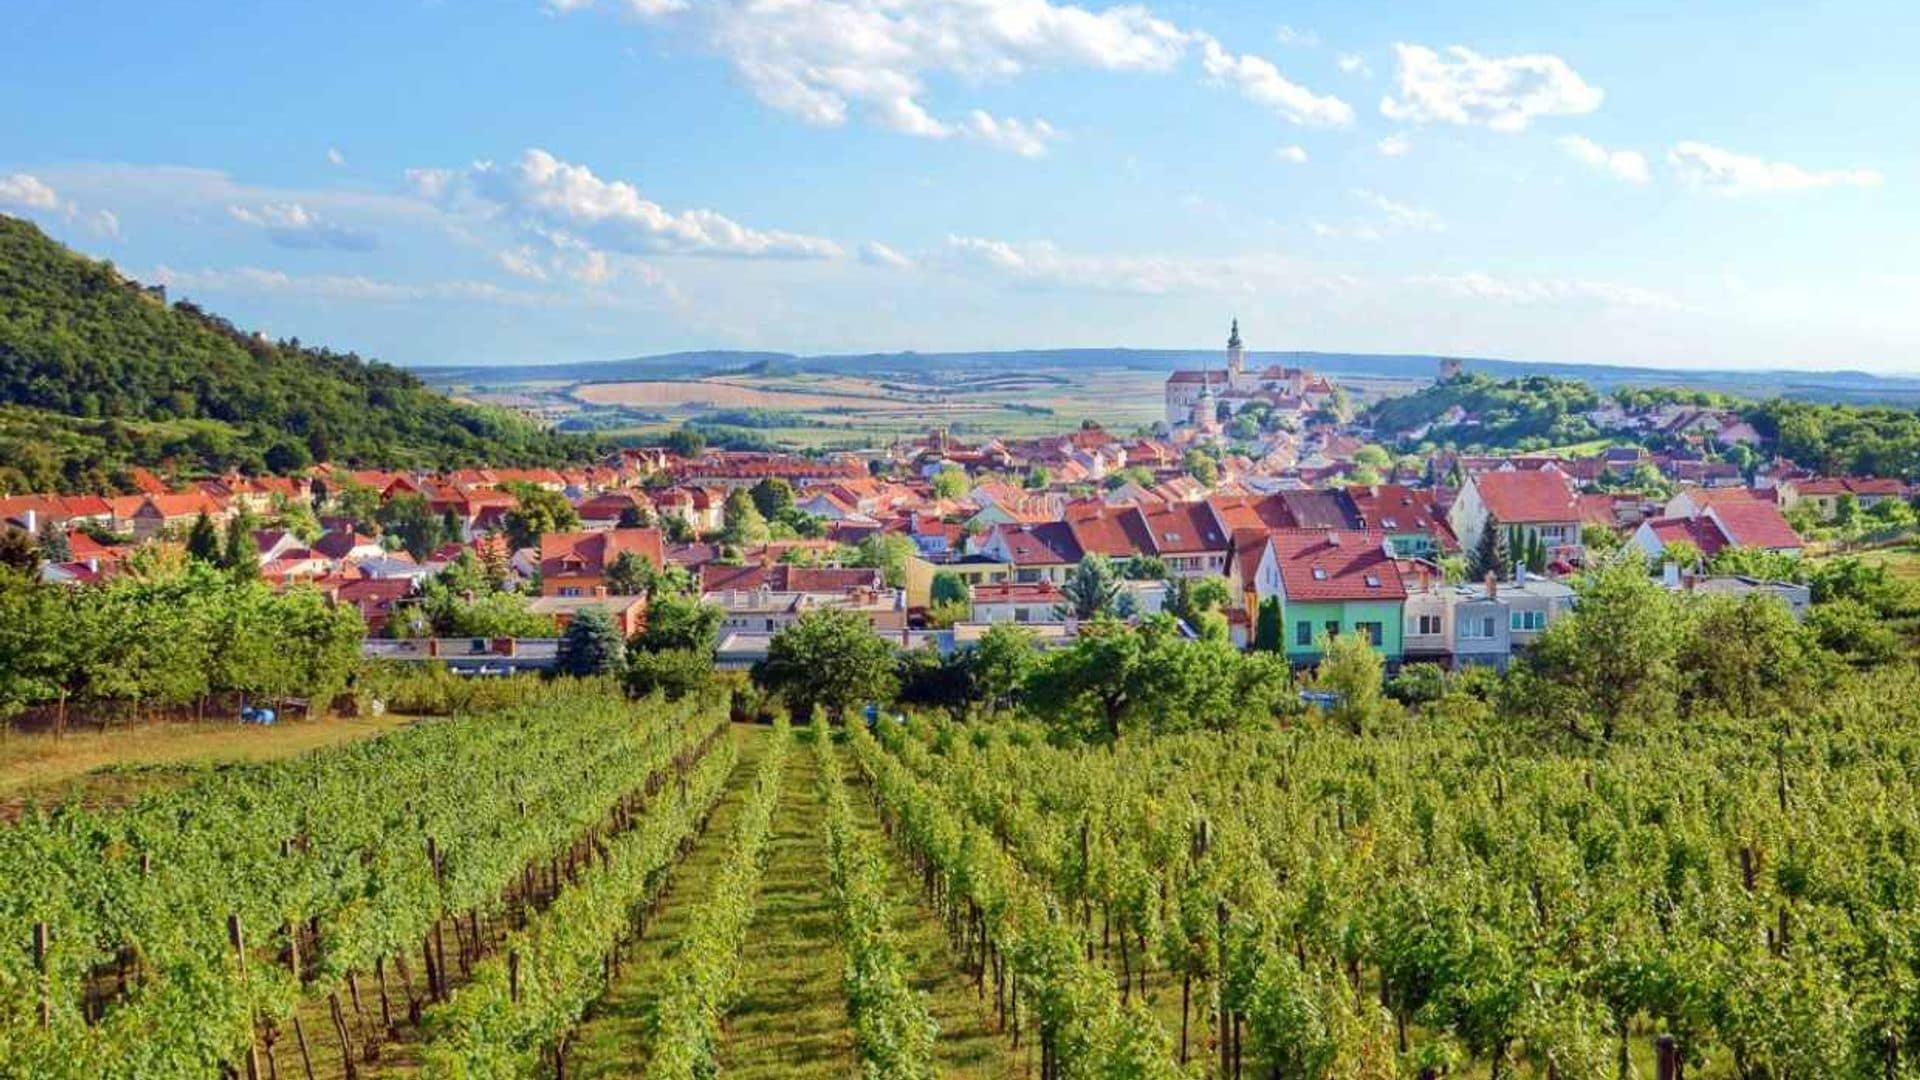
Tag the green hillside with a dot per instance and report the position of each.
(97, 373)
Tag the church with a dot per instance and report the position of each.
(1201, 398)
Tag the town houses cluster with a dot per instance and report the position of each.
(991, 530)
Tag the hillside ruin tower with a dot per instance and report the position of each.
(1236, 355)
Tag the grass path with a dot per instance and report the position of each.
(791, 1020)
(969, 1046)
(612, 1040)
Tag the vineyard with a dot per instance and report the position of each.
(574, 884)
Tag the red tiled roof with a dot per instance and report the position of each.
(590, 553)
(1515, 498)
(1702, 533)
(1398, 508)
(1184, 529)
(1048, 543)
(785, 577)
(1116, 532)
(1039, 592)
(1753, 524)
(1336, 564)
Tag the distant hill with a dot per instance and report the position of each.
(1833, 386)
(98, 373)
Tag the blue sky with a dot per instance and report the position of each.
(1708, 184)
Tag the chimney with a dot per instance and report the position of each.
(1493, 585)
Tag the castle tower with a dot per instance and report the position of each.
(1236, 356)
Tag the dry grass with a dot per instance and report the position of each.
(724, 395)
(103, 765)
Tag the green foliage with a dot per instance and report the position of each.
(1842, 440)
(829, 658)
(1535, 411)
(591, 645)
(1091, 588)
(203, 540)
(1616, 655)
(407, 518)
(772, 497)
(1355, 673)
(674, 673)
(949, 587)
(678, 621)
(538, 513)
(100, 375)
(1491, 555)
(630, 574)
(1001, 663)
(1267, 632)
(1114, 679)
(1201, 467)
(951, 482)
(741, 522)
(888, 552)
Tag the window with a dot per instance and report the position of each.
(1333, 628)
(1022, 615)
(1480, 628)
(1376, 632)
(1529, 620)
(1428, 625)
(1319, 573)
(1303, 634)
(1373, 581)
(570, 590)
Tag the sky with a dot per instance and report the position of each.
(1709, 184)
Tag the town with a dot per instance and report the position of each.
(1265, 509)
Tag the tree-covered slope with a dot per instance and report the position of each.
(100, 373)
(1537, 410)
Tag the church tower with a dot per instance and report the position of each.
(1236, 356)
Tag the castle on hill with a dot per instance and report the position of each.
(1202, 398)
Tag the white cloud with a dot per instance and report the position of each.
(1362, 232)
(27, 191)
(1295, 154)
(1399, 214)
(1480, 286)
(433, 185)
(1628, 165)
(253, 279)
(563, 202)
(1289, 35)
(875, 253)
(105, 223)
(292, 225)
(1026, 138)
(1503, 93)
(1725, 172)
(1395, 145)
(1043, 265)
(1261, 83)
(522, 262)
(335, 158)
(826, 61)
(1354, 64)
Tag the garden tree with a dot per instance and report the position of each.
(298, 519)
(359, 504)
(629, 574)
(1846, 511)
(931, 680)
(635, 517)
(1191, 599)
(890, 553)
(53, 544)
(18, 551)
(1355, 673)
(677, 529)
(538, 513)
(1491, 555)
(672, 672)
(740, 521)
(949, 587)
(1758, 563)
(452, 529)
(591, 645)
(1597, 539)
(1684, 554)
(1039, 478)
(1144, 568)
(1455, 569)
(408, 518)
(203, 540)
(1373, 456)
(240, 555)
(678, 621)
(772, 496)
(1090, 588)
(1854, 631)
(950, 482)
(1086, 689)
(1002, 661)
(1266, 627)
(1201, 467)
(1137, 475)
(1616, 653)
(802, 524)
(1748, 658)
(1115, 679)
(1418, 684)
(685, 442)
(829, 658)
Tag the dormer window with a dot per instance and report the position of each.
(1319, 573)
(1373, 581)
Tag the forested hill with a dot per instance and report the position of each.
(97, 373)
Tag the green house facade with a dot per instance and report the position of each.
(1380, 621)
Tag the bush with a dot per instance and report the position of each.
(673, 672)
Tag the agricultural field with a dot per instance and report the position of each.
(569, 883)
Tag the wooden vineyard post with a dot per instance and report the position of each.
(340, 1030)
(513, 975)
(1666, 1061)
(300, 1039)
(236, 936)
(40, 938)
